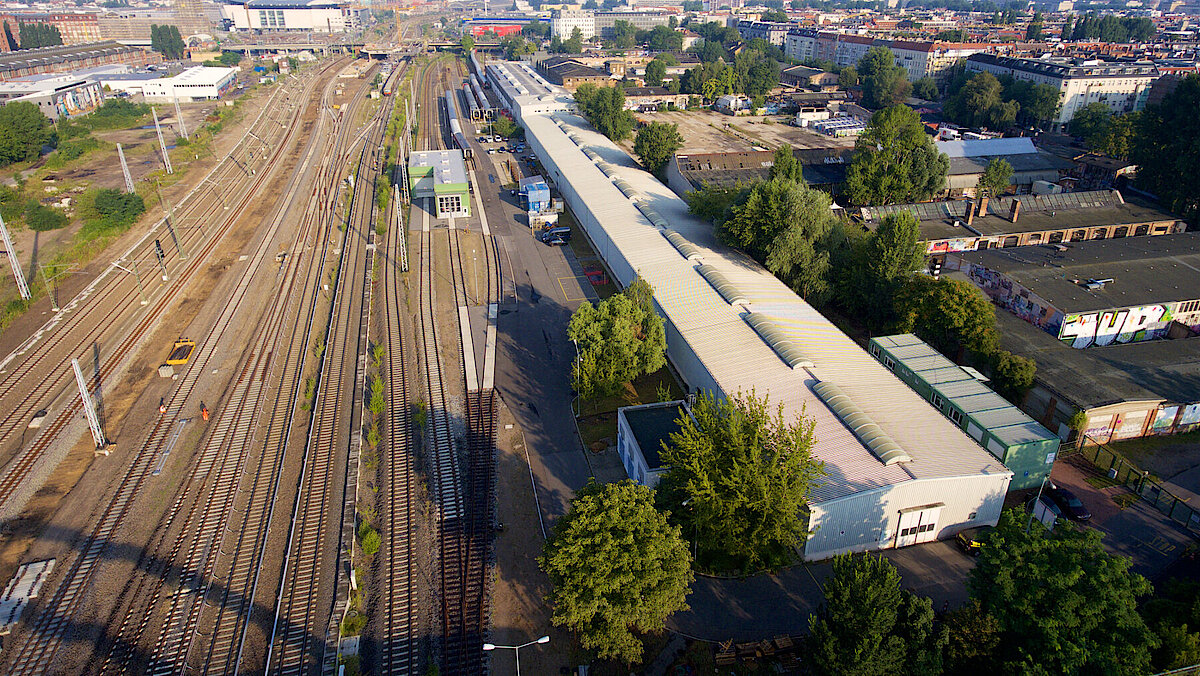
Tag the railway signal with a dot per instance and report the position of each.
(158, 253)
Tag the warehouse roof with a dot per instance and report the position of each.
(27, 58)
(1152, 370)
(199, 76)
(448, 165)
(821, 166)
(1021, 164)
(1062, 211)
(729, 348)
(1142, 270)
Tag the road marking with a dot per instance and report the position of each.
(564, 288)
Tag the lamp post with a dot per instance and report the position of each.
(516, 649)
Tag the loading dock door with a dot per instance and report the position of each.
(918, 524)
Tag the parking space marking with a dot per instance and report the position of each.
(575, 278)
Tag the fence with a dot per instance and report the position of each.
(1124, 472)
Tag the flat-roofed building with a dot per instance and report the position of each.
(75, 28)
(318, 16)
(198, 83)
(66, 58)
(1098, 293)
(441, 175)
(62, 96)
(968, 225)
(898, 472)
(641, 433)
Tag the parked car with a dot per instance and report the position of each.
(561, 232)
(555, 241)
(971, 539)
(1071, 506)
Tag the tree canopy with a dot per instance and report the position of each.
(785, 165)
(467, 43)
(880, 267)
(1064, 605)
(167, 41)
(884, 83)
(23, 132)
(42, 218)
(619, 339)
(1167, 149)
(996, 177)
(35, 35)
(655, 72)
(604, 107)
(656, 143)
(869, 626)
(745, 473)
(925, 88)
(617, 567)
(980, 103)
(895, 161)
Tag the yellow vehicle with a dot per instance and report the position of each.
(181, 352)
(971, 540)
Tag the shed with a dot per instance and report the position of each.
(1020, 442)
(641, 433)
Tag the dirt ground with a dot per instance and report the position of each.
(705, 131)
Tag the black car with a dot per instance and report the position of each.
(1070, 505)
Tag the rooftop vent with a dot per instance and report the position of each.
(654, 217)
(870, 434)
(777, 337)
(682, 245)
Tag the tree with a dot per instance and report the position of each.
(1116, 139)
(714, 202)
(879, 267)
(467, 43)
(848, 76)
(884, 83)
(949, 314)
(1089, 121)
(35, 35)
(980, 103)
(775, 15)
(515, 47)
(1033, 33)
(118, 207)
(745, 475)
(1012, 375)
(574, 44)
(895, 160)
(664, 39)
(925, 88)
(605, 109)
(505, 126)
(1067, 28)
(624, 34)
(616, 567)
(656, 143)
(619, 339)
(786, 165)
(230, 59)
(23, 132)
(1064, 605)
(972, 641)
(799, 254)
(869, 626)
(1167, 148)
(42, 218)
(167, 41)
(996, 177)
(655, 71)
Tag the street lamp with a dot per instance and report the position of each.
(516, 649)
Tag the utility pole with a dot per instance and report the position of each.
(161, 144)
(49, 277)
(89, 409)
(167, 211)
(136, 276)
(16, 264)
(179, 116)
(125, 170)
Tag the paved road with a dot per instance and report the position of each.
(533, 356)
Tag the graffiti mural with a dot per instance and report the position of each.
(1120, 326)
(1190, 415)
(1164, 420)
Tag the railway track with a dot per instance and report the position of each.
(47, 632)
(26, 385)
(220, 470)
(305, 633)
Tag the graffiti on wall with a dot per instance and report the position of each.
(79, 101)
(950, 246)
(1115, 326)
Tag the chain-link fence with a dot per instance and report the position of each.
(1147, 487)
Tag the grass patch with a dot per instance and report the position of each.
(1124, 500)
(598, 418)
(1102, 482)
(354, 623)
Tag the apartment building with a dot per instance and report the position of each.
(1123, 86)
(76, 28)
(643, 21)
(772, 31)
(563, 23)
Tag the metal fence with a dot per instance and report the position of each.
(1116, 467)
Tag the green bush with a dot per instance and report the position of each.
(115, 114)
(43, 218)
(73, 149)
(368, 539)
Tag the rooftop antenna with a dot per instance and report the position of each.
(161, 144)
(125, 170)
(16, 264)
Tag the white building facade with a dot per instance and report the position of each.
(318, 16)
(199, 83)
(801, 44)
(1122, 86)
(563, 23)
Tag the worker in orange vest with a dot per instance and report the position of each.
(204, 411)
(162, 406)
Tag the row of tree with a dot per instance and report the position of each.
(1108, 28)
(1041, 602)
(35, 35)
(983, 100)
(167, 41)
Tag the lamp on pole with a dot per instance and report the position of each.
(516, 649)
